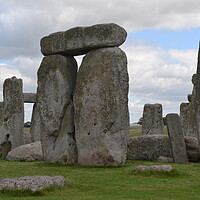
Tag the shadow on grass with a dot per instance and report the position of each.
(28, 192)
(76, 166)
(20, 193)
(158, 174)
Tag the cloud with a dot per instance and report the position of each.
(159, 76)
(21, 67)
(24, 23)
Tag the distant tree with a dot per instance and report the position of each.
(140, 121)
(27, 124)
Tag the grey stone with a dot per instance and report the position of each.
(29, 97)
(6, 146)
(153, 147)
(188, 118)
(34, 183)
(148, 147)
(27, 152)
(164, 168)
(189, 97)
(13, 111)
(192, 147)
(165, 159)
(101, 108)
(56, 84)
(80, 40)
(27, 138)
(35, 129)
(152, 123)
(1, 112)
(196, 82)
(176, 138)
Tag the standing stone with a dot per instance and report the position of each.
(1, 113)
(101, 108)
(80, 40)
(56, 83)
(188, 119)
(184, 116)
(176, 138)
(35, 129)
(13, 111)
(152, 120)
(29, 97)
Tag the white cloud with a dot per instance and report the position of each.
(24, 23)
(159, 76)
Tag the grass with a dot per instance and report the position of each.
(137, 131)
(106, 183)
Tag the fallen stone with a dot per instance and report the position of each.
(34, 183)
(101, 108)
(56, 84)
(159, 168)
(177, 141)
(192, 147)
(29, 97)
(27, 152)
(148, 147)
(80, 40)
(165, 159)
(152, 147)
(152, 120)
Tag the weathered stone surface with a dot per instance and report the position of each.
(152, 123)
(35, 129)
(13, 111)
(165, 159)
(101, 108)
(34, 183)
(196, 91)
(176, 138)
(192, 147)
(148, 147)
(56, 83)
(188, 118)
(80, 40)
(27, 152)
(1, 112)
(153, 147)
(189, 97)
(27, 138)
(29, 97)
(184, 116)
(164, 168)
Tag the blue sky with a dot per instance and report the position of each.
(168, 39)
(161, 47)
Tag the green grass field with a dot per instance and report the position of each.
(108, 183)
(137, 131)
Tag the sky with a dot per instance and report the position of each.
(161, 46)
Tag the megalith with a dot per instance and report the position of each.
(176, 138)
(101, 108)
(35, 129)
(152, 123)
(13, 111)
(56, 84)
(80, 40)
